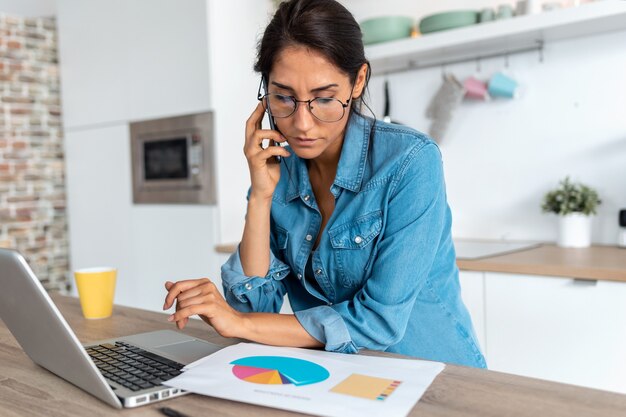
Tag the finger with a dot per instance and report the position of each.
(201, 299)
(255, 142)
(179, 287)
(180, 323)
(268, 153)
(194, 292)
(204, 287)
(189, 311)
(254, 121)
(274, 135)
(168, 286)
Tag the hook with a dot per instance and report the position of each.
(540, 52)
(478, 64)
(506, 60)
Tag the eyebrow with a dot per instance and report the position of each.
(315, 90)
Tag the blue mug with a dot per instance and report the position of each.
(501, 85)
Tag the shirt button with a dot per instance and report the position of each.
(299, 276)
(318, 271)
(330, 304)
(248, 286)
(309, 238)
(307, 197)
(358, 240)
(277, 274)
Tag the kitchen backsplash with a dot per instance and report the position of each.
(32, 187)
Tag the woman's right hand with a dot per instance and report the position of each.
(264, 168)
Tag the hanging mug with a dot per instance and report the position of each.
(501, 85)
(475, 89)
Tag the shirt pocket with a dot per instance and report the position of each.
(353, 246)
(282, 238)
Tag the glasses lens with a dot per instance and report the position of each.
(281, 106)
(327, 109)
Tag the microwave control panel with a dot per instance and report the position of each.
(195, 155)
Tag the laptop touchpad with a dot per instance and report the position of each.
(187, 352)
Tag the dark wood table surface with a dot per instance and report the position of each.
(29, 390)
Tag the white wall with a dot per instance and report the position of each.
(501, 157)
(234, 85)
(28, 8)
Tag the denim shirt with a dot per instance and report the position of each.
(385, 264)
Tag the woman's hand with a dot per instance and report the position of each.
(264, 169)
(201, 297)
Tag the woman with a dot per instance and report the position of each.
(353, 222)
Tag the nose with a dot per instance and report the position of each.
(303, 120)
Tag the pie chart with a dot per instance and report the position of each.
(275, 370)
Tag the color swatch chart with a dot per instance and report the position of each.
(369, 387)
(274, 370)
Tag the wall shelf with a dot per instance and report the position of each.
(497, 38)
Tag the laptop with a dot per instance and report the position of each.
(123, 372)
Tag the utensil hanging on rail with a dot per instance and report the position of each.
(387, 112)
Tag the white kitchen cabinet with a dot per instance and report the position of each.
(171, 243)
(132, 60)
(472, 292)
(93, 61)
(168, 58)
(99, 202)
(558, 329)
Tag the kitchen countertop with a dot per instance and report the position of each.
(594, 263)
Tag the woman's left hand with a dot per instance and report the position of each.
(201, 297)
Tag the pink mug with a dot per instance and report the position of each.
(475, 89)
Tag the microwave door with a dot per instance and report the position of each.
(166, 161)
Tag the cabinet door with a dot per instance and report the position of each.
(557, 329)
(171, 243)
(99, 201)
(472, 291)
(168, 57)
(132, 60)
(93, 61)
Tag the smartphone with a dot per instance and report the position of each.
(270, 117)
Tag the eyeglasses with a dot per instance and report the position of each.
(324, 109)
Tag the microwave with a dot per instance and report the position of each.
(172, 160)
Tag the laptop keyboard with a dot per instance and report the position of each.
(132, 367)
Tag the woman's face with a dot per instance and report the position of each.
(306, 74)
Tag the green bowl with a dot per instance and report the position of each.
(388, 28)
(448, 20)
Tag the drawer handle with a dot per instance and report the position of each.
(585, 282)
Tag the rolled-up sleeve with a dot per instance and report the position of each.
(254, 293)
(377, 316)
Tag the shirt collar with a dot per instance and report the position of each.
(351, 162)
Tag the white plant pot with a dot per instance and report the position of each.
(574, 231)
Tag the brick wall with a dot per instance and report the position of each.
(32, 189)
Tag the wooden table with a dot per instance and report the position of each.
(28, 390)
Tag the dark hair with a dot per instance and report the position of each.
(323, 25)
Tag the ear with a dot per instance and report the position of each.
(359, 84)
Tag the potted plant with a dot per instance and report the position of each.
(574, 203)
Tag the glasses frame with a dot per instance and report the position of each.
(260, 97)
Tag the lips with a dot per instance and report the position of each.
(304, 141)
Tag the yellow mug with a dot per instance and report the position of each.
(96, 287)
